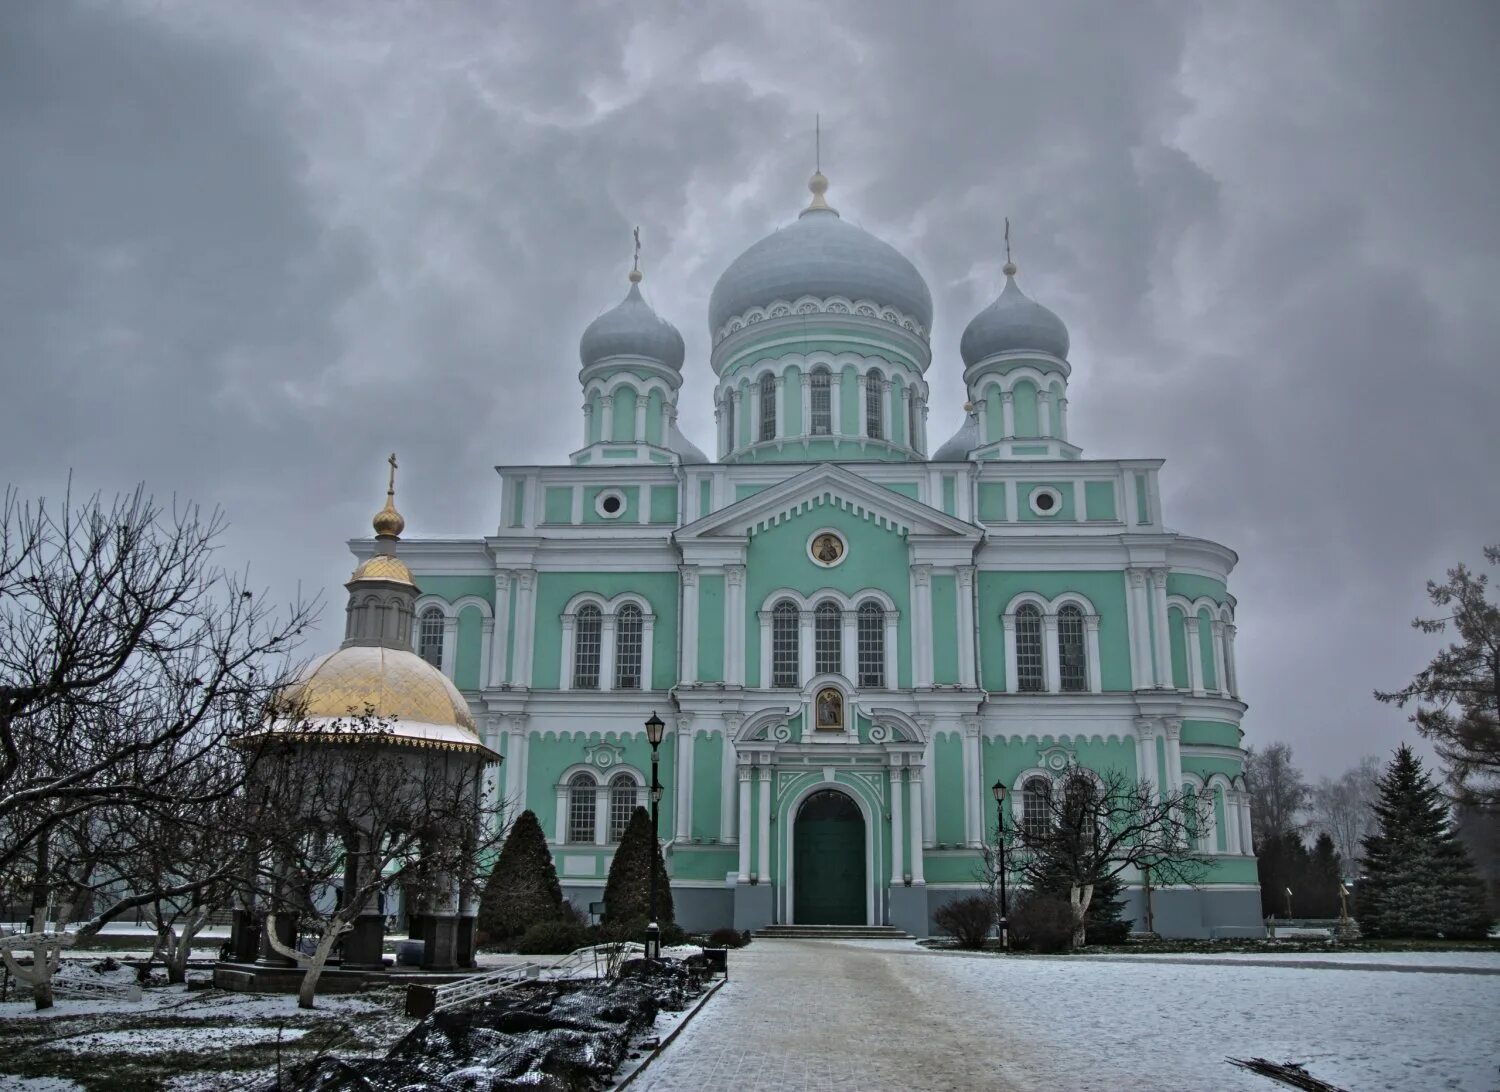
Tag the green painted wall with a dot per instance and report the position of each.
(1026, 417)
(1210, 733)
(1106, 590)
(1206, 649)
(708, 754)
(624, 415)
(1101, 500)
(851, 413)
(1205, 766)
(1065, 511)
(1177, 634)
(944, 628)
(631, 513)
(555, 589)
(992, 502)
(655, 418)
(792, 426)
(552, 753)
(466, 655)
(705, 497)
(454, 588)
(906, 489)
(711, 627)
(557, 504)
(948, 787)
(518, 504)
(1221, 832)
(664, 504)
(950, 494)
(742, 491)
(777, 559)
(1191, 586)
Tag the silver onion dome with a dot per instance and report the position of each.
(1013, 323)
(632, 329)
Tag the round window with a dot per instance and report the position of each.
(610, 505)
(1046, 501)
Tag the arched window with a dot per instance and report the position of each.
(1081, 807)
(729, 410)
(581, 789)
(874, 398)
(622, 803)
(871, 644)
(1030, 675)
(784, 651)
(430, 637)
(628, 648)
(586, 645)
(1036, 807)
(1072, 655)
(828, 634)
(822, 403)
(911, 421)
(767, 407)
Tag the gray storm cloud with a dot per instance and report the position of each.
(246, 250)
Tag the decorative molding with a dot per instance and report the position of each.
(812, 305)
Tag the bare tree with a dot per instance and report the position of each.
(1099, 825)
(127, 656)
(1458, 693)
(1342, 807)
(340, 813)
(1278, 792)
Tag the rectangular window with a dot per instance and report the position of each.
(822, 405)
(874, 415)
(784, 651)
(871, 646)
(828, 652)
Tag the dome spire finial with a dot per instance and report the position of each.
(1010, 266)
(388, 522)
(635, 268)
(818, 184)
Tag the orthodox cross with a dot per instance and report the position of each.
(636, 267)
(1007, 240)
(390, 489)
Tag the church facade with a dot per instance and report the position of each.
(851, 636)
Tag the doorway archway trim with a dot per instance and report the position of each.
(789, 840)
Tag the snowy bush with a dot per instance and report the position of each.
(1042, 922)
(968, 920)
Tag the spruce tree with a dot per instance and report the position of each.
(522, 889)
(1319, 897)
(1104, 921)
(627, 897)
(1418, 880)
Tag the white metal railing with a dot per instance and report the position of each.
(601, 961)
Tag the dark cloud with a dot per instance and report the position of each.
(249, 249)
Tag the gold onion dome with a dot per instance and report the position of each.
(388, 522)
(383, 567)
(389, 684)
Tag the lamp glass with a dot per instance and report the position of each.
(999, 790)
(654, 729)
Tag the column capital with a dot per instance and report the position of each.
(688, 574)
(1174, 728)
(527, 578)
(1219, 627)
(965, 576)
(922, 573)
(1137, 577)
(1091, 622)
(972, 724)
(734, 575)
(1190, 622)
(1007, 396)
(502, 576)
(1159, 578)
(732, 721)
(1145, 727)
(684, 723)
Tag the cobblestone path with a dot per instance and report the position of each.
(820, 1014)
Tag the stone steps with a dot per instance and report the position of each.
(832, 932)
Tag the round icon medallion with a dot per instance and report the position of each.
(826, 548)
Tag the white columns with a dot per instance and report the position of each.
(862, 406)
(805, 387)
(849, 646)
(1221, 679)
(729, 830)
(892, 651)
(1208, 837)
(450, 644)
(917, 874)
(688, 574)
(805, 636)
(898, 791)
(973, 783)
(1163, 639)
(927, 802)
(500, 644)
(607, 652)
(982, 408)
(966, 671)
(1091, 636)
(744, 823)
(1008, 413)
(1231, 674)
(565, 668)
(525, 626)
(1174, 755)
(1145, 751)
(763, 829)
(588, 420)
(1061, 418)
(1012, 667)
(921, 624)
(886, 432)
(684, 776)
(640, 415)
(908, 417)
(607, 422)
(781, 405)
(515, 767)
(486, 643)
(1247, 839)
(1232, 822)
(753, 432)
(836, 402)
(1137, 610)
(1051, 661)
(764, 617)
(1044, 412)
(1194, 654)
(734, 625)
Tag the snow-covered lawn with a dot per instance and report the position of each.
(878, 1015)
(1480, 960)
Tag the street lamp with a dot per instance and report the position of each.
(999, 790)
(654, 729)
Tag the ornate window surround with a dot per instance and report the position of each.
(609, 608)
(849, 651)
(1051, 653)
(601, 779)
(1222, 631)
(451, 611)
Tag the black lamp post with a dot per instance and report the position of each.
(654, 729)
(999, 790)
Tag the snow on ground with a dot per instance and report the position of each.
(149, 1040)
(1480, 960)
(884, 1015)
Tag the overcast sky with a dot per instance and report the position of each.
(246, 250)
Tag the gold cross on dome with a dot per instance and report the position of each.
(390, 489)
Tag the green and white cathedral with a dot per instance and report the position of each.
(850, 635)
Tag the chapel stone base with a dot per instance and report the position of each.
(909, 909)
(753, 905)
(364, 944)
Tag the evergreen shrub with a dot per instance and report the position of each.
(728, 938)
(554, 938)
(1041, 922)
(522, 889)
(627, 891)
(967, 920)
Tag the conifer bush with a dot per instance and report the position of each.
(1418, 880)
(627, 899)
(1042, 922)
(967, 920)
(522, 890)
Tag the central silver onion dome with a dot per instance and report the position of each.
(820, 255)
(1013, 323)
(632, 329)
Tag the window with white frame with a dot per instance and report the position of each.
(911, 420)
(1031, 675)
(623, 794)
(874, 395)
(587, 646)
(822, 403)
(871, 630)
(1072, 649)
(828, 638)
(784, 649)
(581, 792)
(628, 630)
(767, 407)
(1036, 807)
(729, 401)
(430, 637)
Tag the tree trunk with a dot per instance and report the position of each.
(319, 960)
(177, 967)
(1080, 895)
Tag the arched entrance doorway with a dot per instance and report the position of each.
(829, 861)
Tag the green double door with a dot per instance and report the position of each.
(829, 877)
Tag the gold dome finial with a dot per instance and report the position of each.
(635, 268)
(388, 522)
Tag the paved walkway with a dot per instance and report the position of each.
(817, 1014)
